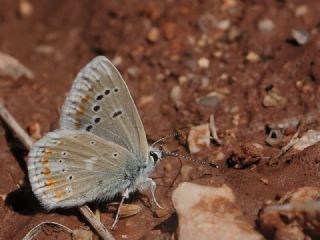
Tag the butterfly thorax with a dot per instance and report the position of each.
(139, 177)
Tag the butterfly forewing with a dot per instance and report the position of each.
(100, 103)
(68, 168)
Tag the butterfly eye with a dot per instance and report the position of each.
(154, 156)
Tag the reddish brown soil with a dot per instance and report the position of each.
(76, 31)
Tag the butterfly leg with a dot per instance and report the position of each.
(124, 196)
(153, 186)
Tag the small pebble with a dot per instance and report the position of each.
(220, 156)
(234, 33)
(144, 100)
(301, 10)
(266, 25)
(272, 99)
(252, 57)
(117, 60)
(216, 158)
(224, 24)
(182, 80)
(3, 196)
(300, 36)
(134, 71)
(202, 41)
(160, 76)
(191, 40)
(198, 138)
(210, 100)
(236, 120)
(153, 35)
(204, 83)
(176, 95)
(25, 8)
(203, 62)
(167, 72)
(224, 76)
(217, 54)
(229, 4)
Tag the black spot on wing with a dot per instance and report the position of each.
(88, 128)
(107, 91)
(116, 113)
(96, 108)
(99, 97)
(97, 120)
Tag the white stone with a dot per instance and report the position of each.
(198, 138)
(176, 95)
(301, 36)
(266, 25)
(204, 62)
(209, 213)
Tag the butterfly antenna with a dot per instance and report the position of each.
(166, 137)
(188, 158)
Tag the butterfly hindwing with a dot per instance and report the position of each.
(100, 103)
(68, 168)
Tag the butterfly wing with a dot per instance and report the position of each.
(99, 102)
(69, 168)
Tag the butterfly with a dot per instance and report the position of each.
(100, 149)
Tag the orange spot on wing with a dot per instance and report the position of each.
(44, 160)
(48, 150)
(46, 170)
(59, 195)
(49, 182)
(77, 123)
(85, 98)
(79, 111)
(60, 142)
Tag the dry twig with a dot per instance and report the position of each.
(27, 142)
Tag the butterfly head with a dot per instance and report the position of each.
(155, 154)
